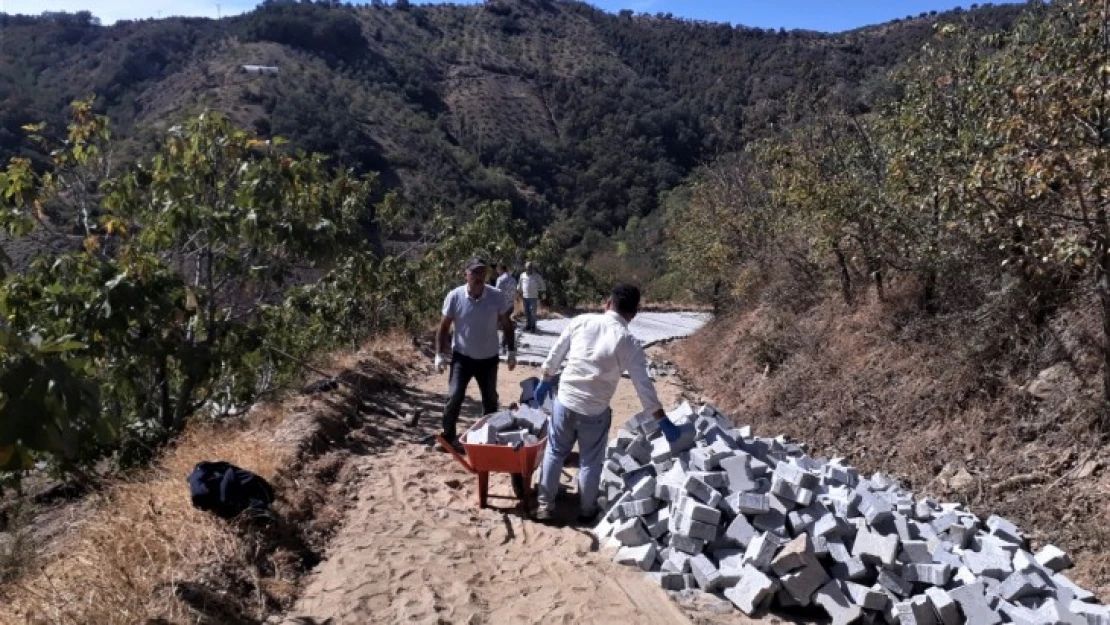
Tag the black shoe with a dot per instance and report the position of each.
(544, 514)
(456, 445)
(587, 519)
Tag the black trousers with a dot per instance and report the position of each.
(464, 369)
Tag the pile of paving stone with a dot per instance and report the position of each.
(761, 522)
(524, 425)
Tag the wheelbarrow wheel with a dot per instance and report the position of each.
(518, 485)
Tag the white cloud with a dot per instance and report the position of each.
(111, 10)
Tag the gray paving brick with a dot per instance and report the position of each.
(754, 587)
(832, 599)
(740, 531)
(631, 532)
(974, 604)
(803, 583)
(945, 606)
(867, 598)
(761, 550)
(642, 556)
(705, 572)
(931, 574)
(874, 548)
(1053, 558)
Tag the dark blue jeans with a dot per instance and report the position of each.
(464, 369)
(530, 306)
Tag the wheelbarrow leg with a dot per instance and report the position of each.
(526, 494)
(525, 477)
(483, 488)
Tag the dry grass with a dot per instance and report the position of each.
(138, 548)
(121, 563)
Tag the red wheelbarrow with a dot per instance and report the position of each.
(521, 461)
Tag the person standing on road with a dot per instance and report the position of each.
(596, 349)
(506, 283)
(476, 310)
(531, 285)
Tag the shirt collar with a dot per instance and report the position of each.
(466, 290)
(615, 315)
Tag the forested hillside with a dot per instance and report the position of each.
(578, 117)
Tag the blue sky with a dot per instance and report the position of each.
(826, 15)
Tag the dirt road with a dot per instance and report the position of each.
(415, 547)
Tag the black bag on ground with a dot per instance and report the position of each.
(226, 490)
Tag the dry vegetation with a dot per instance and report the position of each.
(935, 402)
(136, 551)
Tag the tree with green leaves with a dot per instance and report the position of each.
(171, 304)
(934, 133)
(1043, 184)
(721, 226)
(828, 178)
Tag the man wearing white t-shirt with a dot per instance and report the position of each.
(531, 285)
(506, 283)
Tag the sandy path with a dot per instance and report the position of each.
(416, 548)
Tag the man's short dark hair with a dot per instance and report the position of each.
(626, 299)
(503, 266)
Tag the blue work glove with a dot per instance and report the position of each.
(543, 389)
(669, 429)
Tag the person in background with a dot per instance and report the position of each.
(531, 285)
(476, 310)
(506, 283)
(596, 349)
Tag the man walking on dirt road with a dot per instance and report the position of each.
(476, 310)
(596, 349)
(506, 283)
(531, 284)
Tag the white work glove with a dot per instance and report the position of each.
(510, 360)
(441, 363)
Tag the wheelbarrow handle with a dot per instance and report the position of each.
(451, 450)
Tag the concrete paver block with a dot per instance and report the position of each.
(1005, 529)
(932, 574)
(793, 555)
(867, 598)
(974, 604)
(1022, 584)
(740, 531)
(852, 569)
(989, 562)
(831, 598)
(706, 573)
(642, 556)
(804, 582)
(761, 550)
(631, 533)
(676, 562)
(945, 606)
(701, 491)
(874, 548)
(1053, 558)
(687, 544)
(895, 583)
(639, 507)
(752, 590)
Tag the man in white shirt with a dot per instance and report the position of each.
(506, 283)
(476, 310)
(531, 285)
(596, 349)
